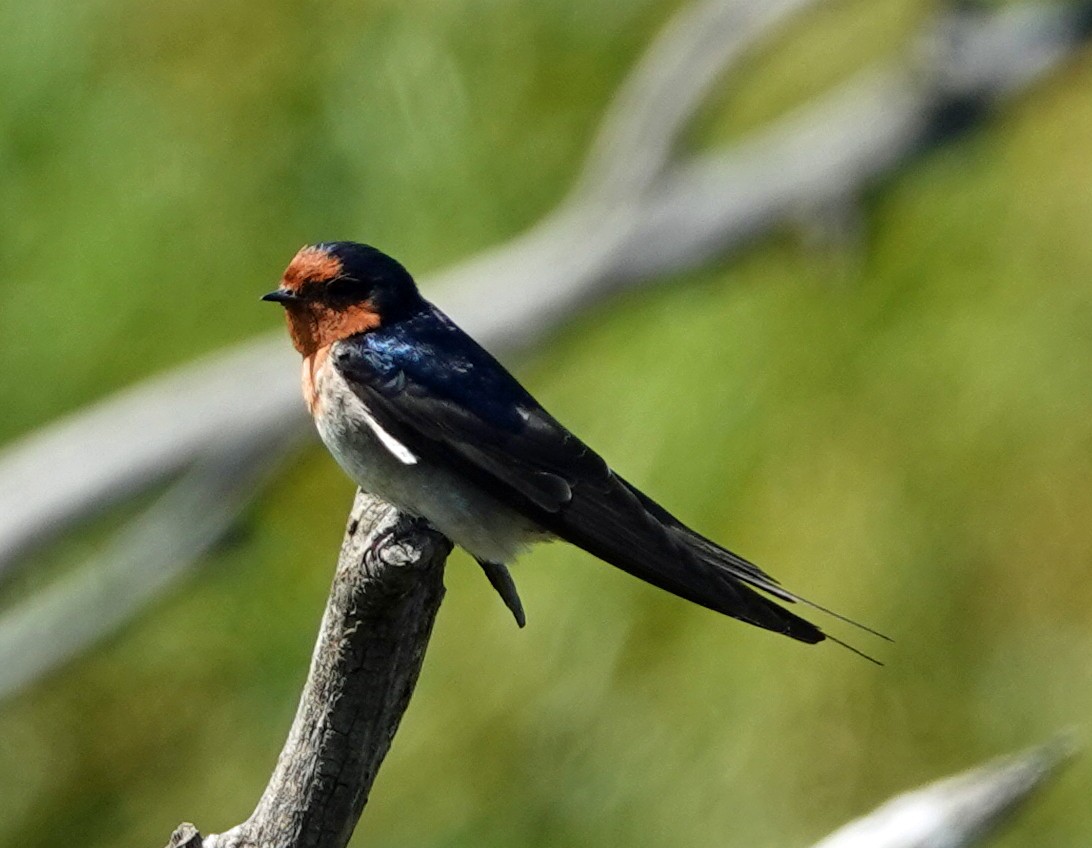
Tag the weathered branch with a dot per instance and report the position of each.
(385, 596)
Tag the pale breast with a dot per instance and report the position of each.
(383, 466)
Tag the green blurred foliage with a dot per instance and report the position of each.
(900, 428)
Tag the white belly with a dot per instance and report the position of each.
(468, 516)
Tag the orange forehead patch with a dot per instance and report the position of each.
(310, 265)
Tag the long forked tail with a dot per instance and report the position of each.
(618, 523)
(739, 569)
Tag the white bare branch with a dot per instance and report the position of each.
(60, 621)
(956, 811)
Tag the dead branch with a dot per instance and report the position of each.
(386, 593)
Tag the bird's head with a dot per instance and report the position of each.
(334, 290)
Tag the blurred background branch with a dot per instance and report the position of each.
(633, 213)
(933, 418)
(957, 811)
(147, 556)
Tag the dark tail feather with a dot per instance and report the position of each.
(857, 651)
(842, 618)
(700, 570)
(621, 525)
(749, 573)
(715, 588)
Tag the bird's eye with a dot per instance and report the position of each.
(346, 289)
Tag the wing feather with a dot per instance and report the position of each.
(494, 433)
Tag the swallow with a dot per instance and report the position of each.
(420, 415)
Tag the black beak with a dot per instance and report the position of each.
(282, 296)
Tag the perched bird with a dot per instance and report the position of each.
(419, 414)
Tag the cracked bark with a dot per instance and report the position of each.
(386, 593)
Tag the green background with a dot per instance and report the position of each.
(900, 427)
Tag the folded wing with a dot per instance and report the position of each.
(483, 424)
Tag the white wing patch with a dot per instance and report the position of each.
(399, 450)
(339, 401)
